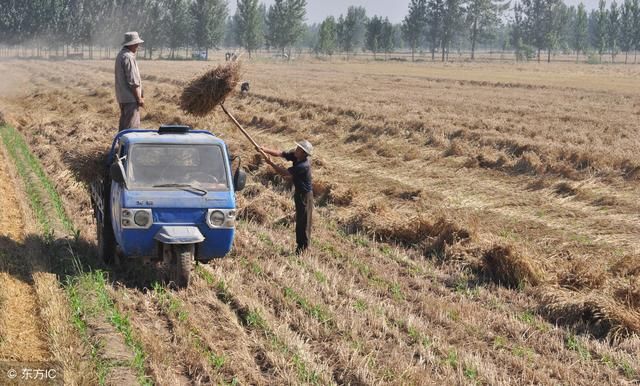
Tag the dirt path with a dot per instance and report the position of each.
(22, 335)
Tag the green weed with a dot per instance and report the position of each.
(572, 343)
(304, 373)
(360, 305)
(315, 311)
(523, 352)
(499, 342)
(470, 372)
(320, 277)
(452, 359)
(396, 291)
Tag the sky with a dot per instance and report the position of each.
(395, 10)
(318, 10)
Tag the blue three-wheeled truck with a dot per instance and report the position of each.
(166, 195)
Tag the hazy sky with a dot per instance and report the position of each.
(318, 10)
(395, 10)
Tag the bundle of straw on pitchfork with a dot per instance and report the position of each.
(203, 94)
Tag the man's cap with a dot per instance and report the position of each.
(131, 38)
(306, 146)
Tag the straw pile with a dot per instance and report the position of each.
(86, 163)
(204, 93)
(447, 234)
(507, 267)
(601, 314)
(582, 275)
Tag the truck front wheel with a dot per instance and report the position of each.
(106, 243)
(183, 261)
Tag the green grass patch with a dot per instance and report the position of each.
(315, 311)
(25, 162)
(304, 373)
(470, 372)
(572, 343)
(360, 305)
(527, 317)
(452, 359)
(499, 342)
(88, 297)
(523, 352)
(396, 291)
(172, 305)
(320, 277)
(253, 319)
(121, 322)
(78, 311)
(416, 337)
(10, 138)
(174, 308)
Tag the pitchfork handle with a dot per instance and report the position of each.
(244, 131)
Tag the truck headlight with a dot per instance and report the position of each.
(216, 218)
(142, 218)
(136, 218)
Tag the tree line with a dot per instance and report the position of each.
(436, 27)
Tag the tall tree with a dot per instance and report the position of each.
(556, 16)
(351, 29)
(328, 36)
(435, 20)
(285, 23)
(580, 31)
(482, 18)
(600, 17)
(249, 26)
(152, 27)
(208, 18)
(635, 16)
(176, 24)
(627, 29)
(415, 24)
(517, 33)
(536, 22)
(374, 34)
(387, 42)
(451, 23)
(613, 29)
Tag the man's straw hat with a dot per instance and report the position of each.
(306, 146)
(131, 38)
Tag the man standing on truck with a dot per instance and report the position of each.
(128, 82)
(300, 174)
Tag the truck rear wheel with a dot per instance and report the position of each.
(183, 261)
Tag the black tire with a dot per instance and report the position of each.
(105, 236)
(106, 243)
(183, 261)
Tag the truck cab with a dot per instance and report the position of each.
(168, 195)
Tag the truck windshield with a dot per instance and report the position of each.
(174, 166)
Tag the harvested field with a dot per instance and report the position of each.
(475, 223)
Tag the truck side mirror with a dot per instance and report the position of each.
(239, 180)
(116, 172)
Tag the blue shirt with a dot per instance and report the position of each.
(300, 172)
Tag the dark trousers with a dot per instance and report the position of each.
(304, 210)
(129, 116)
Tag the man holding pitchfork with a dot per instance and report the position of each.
(300, 174)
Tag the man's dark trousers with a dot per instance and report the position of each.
(304, 210)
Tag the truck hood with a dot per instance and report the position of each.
(177, 199)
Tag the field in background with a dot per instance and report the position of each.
(477, 223)
(306, 55)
